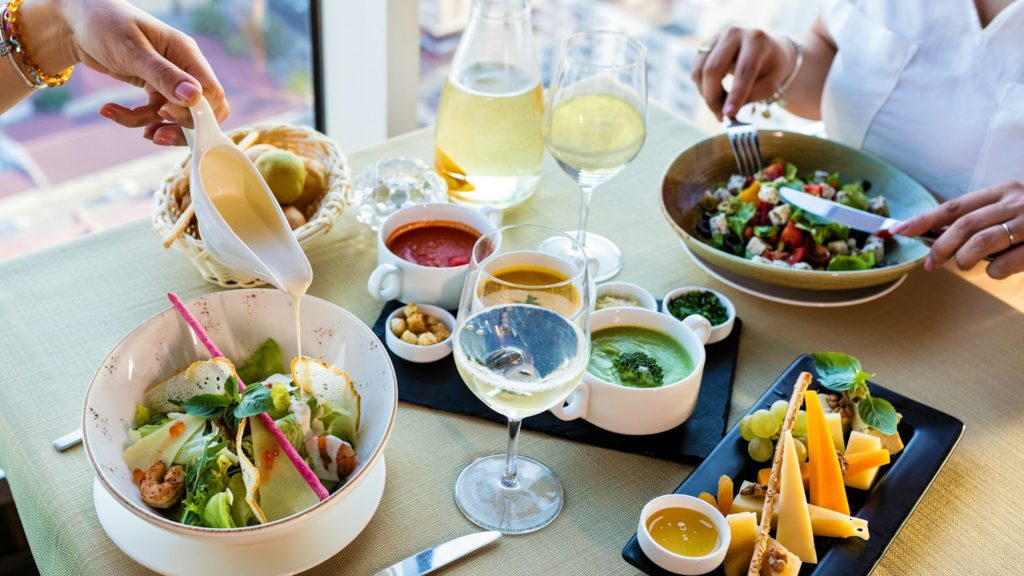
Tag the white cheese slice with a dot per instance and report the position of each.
(794, 529)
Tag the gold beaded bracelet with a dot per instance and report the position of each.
(15, 41)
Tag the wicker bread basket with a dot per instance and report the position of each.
(320, 208)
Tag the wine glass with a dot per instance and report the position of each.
(522, 343)
(596, 121)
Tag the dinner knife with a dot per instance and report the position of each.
(433, 558)
(852, 217)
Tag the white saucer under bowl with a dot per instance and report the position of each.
(793, 296)
(172, 554)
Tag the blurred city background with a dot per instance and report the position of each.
(66, 171)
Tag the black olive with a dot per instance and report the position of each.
(733, 242)
(865, 184)
(704, 226)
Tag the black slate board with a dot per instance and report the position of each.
(439, 386)
(929, 437)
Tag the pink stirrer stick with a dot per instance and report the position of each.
(304, 470)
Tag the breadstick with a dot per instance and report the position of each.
(179, 225)
(772, 492)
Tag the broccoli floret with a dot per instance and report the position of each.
(639, 370)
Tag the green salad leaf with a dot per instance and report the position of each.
(292, 430)
(844, 262)
(204, 476)
(266, 361)
(142, 415)
(742, 213)
(217, 512)
(339, 421)
(280, 396)
(791, 171)
(241, 513)
(821, 230)
(854, 196)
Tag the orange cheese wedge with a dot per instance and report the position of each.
(827, 488)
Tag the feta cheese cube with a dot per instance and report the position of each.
(721, 195)
(756, 246)
(719, 224)
(781, 264)
(780, 214)
(827, 192)
(736, 182)
(761, 260)
(820, 176)
(768, 194)
(779, 181)
(802, 266)
(876, 245)
(879, 206)
(838, 247)
(851, 242)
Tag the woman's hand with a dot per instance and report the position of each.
(758, 62)
(974, 228)
(119, 40)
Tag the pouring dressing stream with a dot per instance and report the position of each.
(240, 221)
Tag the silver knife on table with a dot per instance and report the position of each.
(851, 217)
(433, 558)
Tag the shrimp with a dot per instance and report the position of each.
(162, 487)
(333, 458)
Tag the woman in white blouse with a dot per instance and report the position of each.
(936, 88)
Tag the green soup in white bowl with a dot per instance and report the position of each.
(610, 343)
(675, 347)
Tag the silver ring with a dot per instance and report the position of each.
(1008, 233)
(705, 49)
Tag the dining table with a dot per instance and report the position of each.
(946, 339)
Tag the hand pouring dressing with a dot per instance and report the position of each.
(240, 221)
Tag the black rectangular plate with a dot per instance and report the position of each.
(929, 437)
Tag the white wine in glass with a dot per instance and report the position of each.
(521, 344)
(596, 122)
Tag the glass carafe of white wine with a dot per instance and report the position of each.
(488, 144)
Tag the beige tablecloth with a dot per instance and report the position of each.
(938, 339)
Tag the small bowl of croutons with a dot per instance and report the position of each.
(420, 333)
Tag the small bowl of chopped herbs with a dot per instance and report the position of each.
(711, 304)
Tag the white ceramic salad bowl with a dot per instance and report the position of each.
(238, 321)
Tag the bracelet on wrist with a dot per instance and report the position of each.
(13, 42)
(780, 92)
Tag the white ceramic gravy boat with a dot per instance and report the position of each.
(240, 221)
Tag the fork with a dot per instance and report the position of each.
(745, 146)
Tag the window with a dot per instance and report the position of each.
(57, 183)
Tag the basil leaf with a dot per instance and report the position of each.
(256, 400)
(206, 405)
(837, 372)
(231, 388)
(879, 414)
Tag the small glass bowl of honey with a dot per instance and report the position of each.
(683, 534)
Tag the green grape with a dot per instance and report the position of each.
(761, 449)
(763, 425)
(801, 450)
(800, 424)
(745, 432)
(778, 410)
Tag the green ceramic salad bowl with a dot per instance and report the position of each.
(710, 163)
